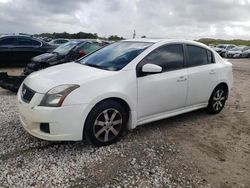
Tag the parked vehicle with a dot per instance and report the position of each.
(17, 50)
(58, 42)
(123, 85)
(246, 54)
(223, 48)
(68, 52)
(236, 52)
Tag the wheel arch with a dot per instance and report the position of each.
(119, 100)
(131, 116)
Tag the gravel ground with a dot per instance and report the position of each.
(191, 150)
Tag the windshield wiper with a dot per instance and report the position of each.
(93, 65)
(77, 61)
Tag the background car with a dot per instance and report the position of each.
(67, 52)
(236, 52)
(123, 85)
(17, 50)
(58, 42)
(246, 54)
(221, 49)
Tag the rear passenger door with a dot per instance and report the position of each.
(202, 74)
(25, 49)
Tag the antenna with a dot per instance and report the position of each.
(134, 34)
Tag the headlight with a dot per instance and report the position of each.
(56, 96)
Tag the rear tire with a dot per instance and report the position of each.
(217, 100)
(105, 123)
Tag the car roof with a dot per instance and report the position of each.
(28, 36)
(25, 36)
(191, 42)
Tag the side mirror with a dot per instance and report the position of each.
(151, 68)
(82, 53)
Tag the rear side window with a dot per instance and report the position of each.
(196, 56)
(169, 57)
(24, 42)
(7, 41)
(36, 43)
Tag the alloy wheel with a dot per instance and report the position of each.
(108, 125)
(219, 100)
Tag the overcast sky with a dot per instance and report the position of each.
(189, 19)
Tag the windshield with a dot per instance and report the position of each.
(65, 48)
(115, 56)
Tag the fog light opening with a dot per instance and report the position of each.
(44, 127)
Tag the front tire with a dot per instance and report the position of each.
(217, 100)
(105, 123)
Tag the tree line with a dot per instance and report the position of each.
(79, 35)
(221, 41)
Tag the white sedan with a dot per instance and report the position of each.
(123, 85)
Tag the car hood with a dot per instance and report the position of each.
(47, 57)
(69, 73)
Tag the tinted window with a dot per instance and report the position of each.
(7, 41)
(196, 56)
(36, 43)
(24, 42)
(58, 42)
(169, 57)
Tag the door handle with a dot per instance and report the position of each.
(212, 71)
(182, 79)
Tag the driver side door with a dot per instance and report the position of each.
(166, 91)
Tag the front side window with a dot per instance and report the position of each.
(115, 56)
(196, 56)
(7, 41)
(169, 57)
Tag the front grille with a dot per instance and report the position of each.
(27, 94)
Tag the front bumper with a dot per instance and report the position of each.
(65, 123)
